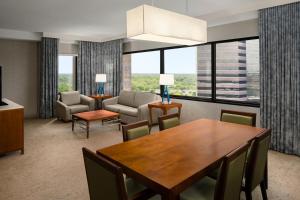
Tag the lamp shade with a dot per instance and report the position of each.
(100, 78)
(166, 79)
(159, 25)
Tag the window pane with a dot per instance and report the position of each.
(237, 70)
(65, 73)
(141, 71)
(191, 67)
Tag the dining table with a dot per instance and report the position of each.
(170, 161)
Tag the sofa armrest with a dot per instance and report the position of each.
(62, 111)
(110, 101)
(87, 101)
(143, 112)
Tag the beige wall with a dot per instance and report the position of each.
(20, 76)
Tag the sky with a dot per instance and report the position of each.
(65, 64)
(177, 61)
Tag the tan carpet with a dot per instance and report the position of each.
(52, 167)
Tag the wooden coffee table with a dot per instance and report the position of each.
(89, 116)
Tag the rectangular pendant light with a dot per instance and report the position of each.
(159, 25)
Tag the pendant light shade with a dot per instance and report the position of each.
(159, 25)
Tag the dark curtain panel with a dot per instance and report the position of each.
(48, 77)
(97, 58)
(279, 32)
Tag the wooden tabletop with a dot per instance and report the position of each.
(96, 115)
(101, 96)
(171, 160)
(164, 105)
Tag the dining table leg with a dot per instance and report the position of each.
(170, 196)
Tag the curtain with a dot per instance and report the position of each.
(99, 58)
(279, 33)
(48, 77)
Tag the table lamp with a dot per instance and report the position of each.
(100, 79)
(166, 80)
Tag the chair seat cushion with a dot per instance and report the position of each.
(79, 108)
(238, 119)
(202, 190)
(172, 122)
(127, 110)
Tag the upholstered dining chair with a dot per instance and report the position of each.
(106, 181)
(256, 166)
(238, 117)
(229, 182)
(135, 130)
(168, 121)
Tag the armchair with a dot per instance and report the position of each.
(72, 102)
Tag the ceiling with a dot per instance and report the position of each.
(107, 19)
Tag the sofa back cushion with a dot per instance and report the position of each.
(70, 98)
(142, 98)
(126, 98)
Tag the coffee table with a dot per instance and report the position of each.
(96, 115)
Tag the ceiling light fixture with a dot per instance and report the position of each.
(154, 24)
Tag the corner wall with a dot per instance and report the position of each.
(19, 61)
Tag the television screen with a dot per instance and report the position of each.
(1, 103)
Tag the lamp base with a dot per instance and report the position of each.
(166, 95)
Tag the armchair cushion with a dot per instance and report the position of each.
(126, 98)
(70, 98)
(79, 108)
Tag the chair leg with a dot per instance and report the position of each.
(263, 190)
(248, 195)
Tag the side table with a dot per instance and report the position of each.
(99, 99)
(164, 107)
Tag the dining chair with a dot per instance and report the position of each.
(238, 117)
(228, 184)
(168, 121)
(105, 180)
(256, 166)
(135, 130)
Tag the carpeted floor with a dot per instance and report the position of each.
(52, 166)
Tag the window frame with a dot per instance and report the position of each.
(213, 98)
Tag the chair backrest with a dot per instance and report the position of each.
(135, 130)
(238, 117)
(229, 182)
(168, 121)
(105, 179)
(257, 160)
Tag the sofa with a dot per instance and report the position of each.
(72, 102)
(132, 106)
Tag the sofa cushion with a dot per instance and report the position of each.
(126, 98)
(78, 108)
(70, 98)
(142, 98)
(127, 110)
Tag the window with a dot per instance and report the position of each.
(222, 72)
(191, 67)
(237, 70)
(141, 71)
(66, 73)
